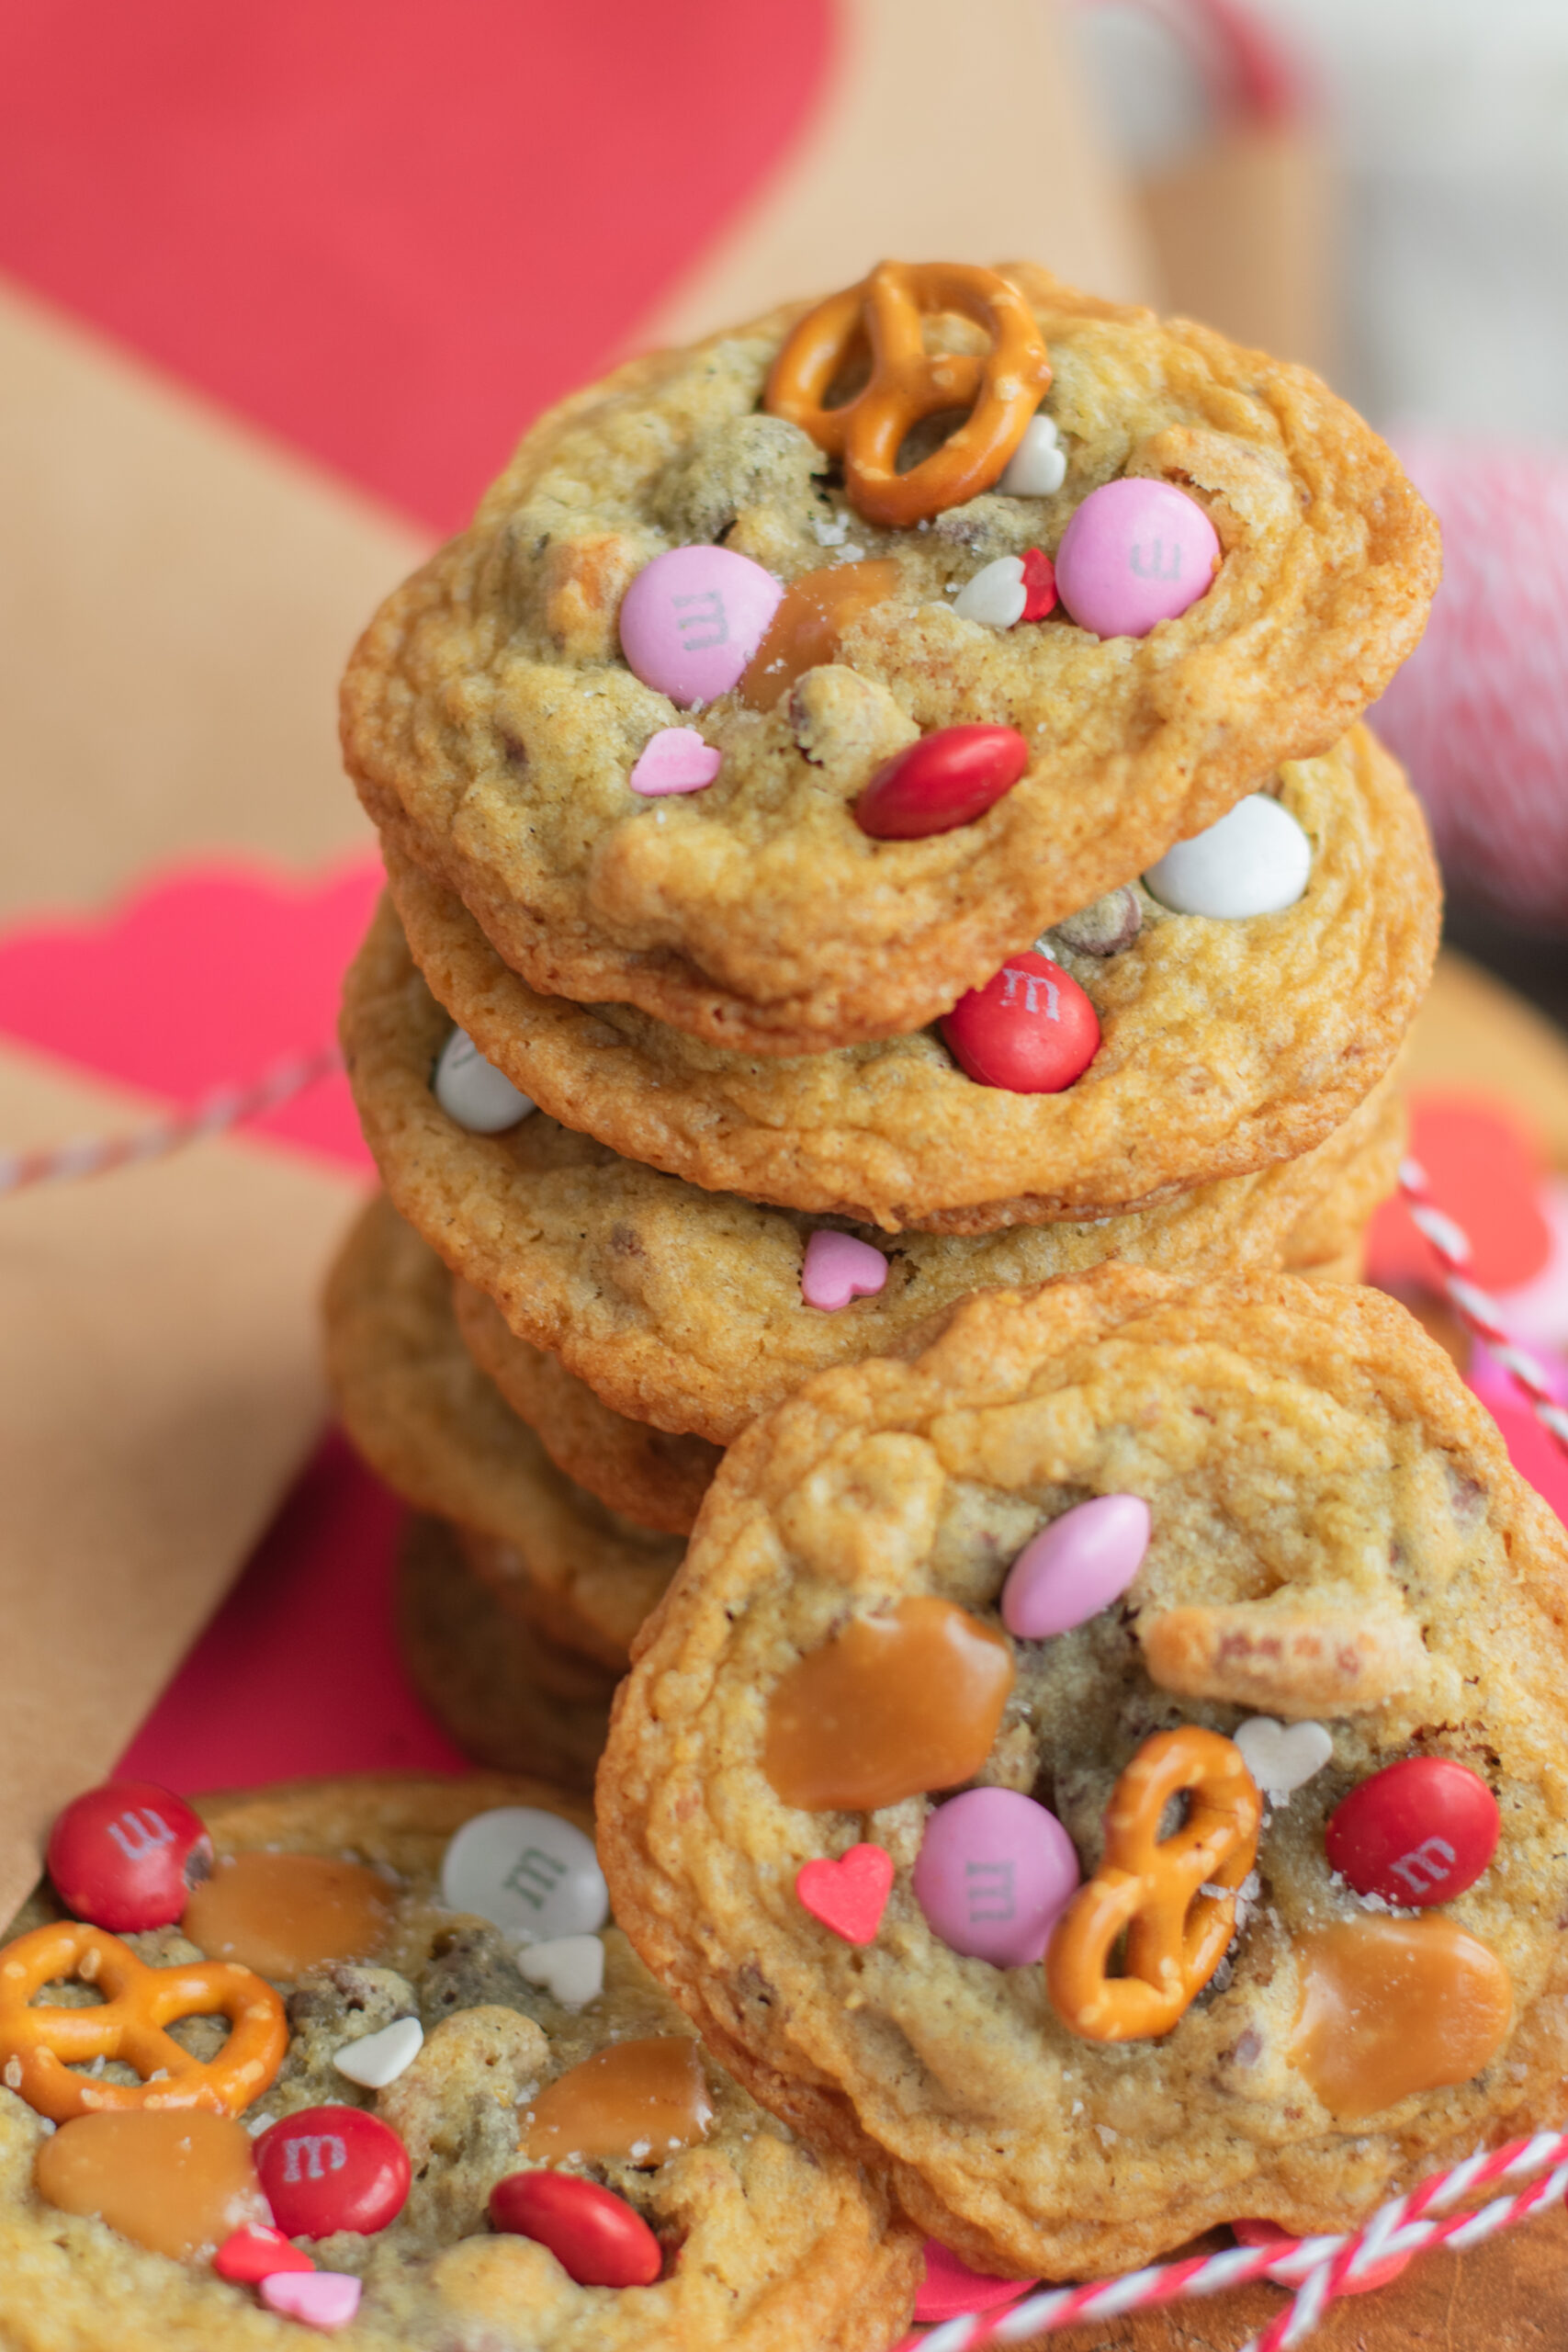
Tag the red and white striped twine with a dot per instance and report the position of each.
(1327, 2267)
(1478, 1313)
(1324, 2267)
(223, 1108)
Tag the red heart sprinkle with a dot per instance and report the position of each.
(256, 2252)
(1039, 584)
(850, 1895)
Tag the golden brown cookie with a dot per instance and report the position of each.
(640, 1471)
(683, 1308)
(1225, 1045)
(764, 2244)
(1322, 1494)
(491, 721)
(507, 1694)
(426, 1418)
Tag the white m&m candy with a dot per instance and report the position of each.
(473, 1091)
(1256, 861)
(528, 1871)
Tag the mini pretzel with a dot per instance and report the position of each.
(909, 382)
(1176, 1935)
(40, 2046)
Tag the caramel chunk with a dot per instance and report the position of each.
(281, 1913)
(641, 2099)
(178, 2182)
(1390, 2007)
(812, 615)
(892, 1706)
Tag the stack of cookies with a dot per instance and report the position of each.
(876, 809)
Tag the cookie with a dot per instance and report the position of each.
(492, 721)
(425, 1417)
(685, 1308)
(1224, 1045)
(502, 1691)
(1311, 1590)
(757, 2241)
(640, 1471)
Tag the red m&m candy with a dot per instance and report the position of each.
(944, 780)
(1030, 1030)
(1417, 1833)
(331, 2168)
(594, 2235)
(127, 1854)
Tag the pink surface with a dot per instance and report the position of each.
(298, 1672)
(387, 233)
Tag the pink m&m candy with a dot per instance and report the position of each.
(1030, 1030)
(692, 618)
(943, 781)
(1077, 1566)
(1135, 553)
(127, 1854)
(597, 2237)
(1417, 1833)
(327, 2168)
(993, 1872)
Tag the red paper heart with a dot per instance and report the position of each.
(850, 1895)
(1484, 1170)
(256, 2253)
(202, 979)
(388, 236)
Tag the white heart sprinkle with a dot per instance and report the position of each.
(1281, 1757)
(996, 596)
(570, 1968)
(1038, 467)
(378, 2059)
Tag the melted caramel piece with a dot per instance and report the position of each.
(177, 2181)
(891, 1707)
(1395, 2006)
(642, 2099)
(280, 1914)
(805, 630)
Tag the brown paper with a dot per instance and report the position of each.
(159, 1386)
(942, 135)
(177, 601)
(1241, 235)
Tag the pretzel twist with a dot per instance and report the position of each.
(1176, 1935)
(908, 382)
(40, 2046)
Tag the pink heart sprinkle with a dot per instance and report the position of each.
(324, 2299)
(675, 760)
(850, 1895)
(838, 1268)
